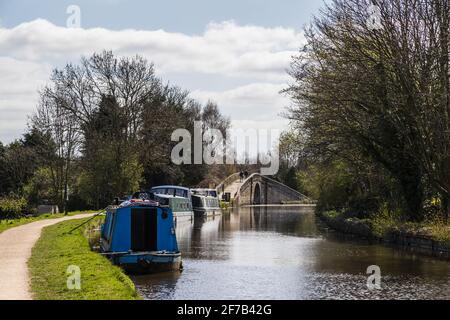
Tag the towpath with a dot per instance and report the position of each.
(15, 250)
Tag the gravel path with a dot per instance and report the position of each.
(15, 250)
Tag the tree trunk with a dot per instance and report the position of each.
(413, 193)
(66, 184)
(65, 199)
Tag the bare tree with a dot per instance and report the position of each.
(54, 119)
(117, 117)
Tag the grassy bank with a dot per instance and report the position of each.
(387, 224)
(56, 250)
(432, 237)
(11, 223)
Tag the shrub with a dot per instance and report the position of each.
(386, 220)
(12, 207)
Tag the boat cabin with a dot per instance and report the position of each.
(173, 191)
(205, 202)
(177, 198)
(139, 235)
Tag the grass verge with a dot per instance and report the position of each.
(11, 223)
(56, 250)
(386, 223)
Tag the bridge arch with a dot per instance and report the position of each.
(258, 189)
(257, 195)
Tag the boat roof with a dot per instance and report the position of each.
(139, 203)
(168, 196)
(171, 187)
(203, 189)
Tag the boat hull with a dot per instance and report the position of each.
(207, 212)
(148, 263)
(183, 216)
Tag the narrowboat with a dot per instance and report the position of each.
(205, 202)
(176, 198)
(139, 235)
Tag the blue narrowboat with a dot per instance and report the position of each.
(139, 235)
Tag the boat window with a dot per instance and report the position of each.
(181, 193)
(163, 191)
(212, 193)
(162, 201)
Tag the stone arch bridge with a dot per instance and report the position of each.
(258, 190)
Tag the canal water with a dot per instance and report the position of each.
(285, 253)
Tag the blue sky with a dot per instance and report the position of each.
(235, 53)
(171, 15)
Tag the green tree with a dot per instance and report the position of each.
(108, 123)
(110, 159)
(381, 93)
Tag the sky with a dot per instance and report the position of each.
(235, 53)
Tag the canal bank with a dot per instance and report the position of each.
(57, 256)
(411, 237)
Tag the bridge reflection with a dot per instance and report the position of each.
(204, 238)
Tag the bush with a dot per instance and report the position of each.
(386, 220)
(12, 207)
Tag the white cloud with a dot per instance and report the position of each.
(256, 106)
(253, 56)
(224, 48)
(19, 85)
(256, 101)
